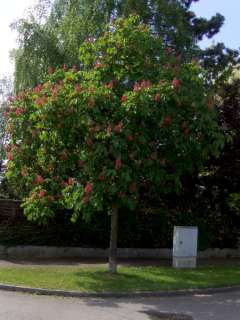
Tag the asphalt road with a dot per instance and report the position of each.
(17, 306)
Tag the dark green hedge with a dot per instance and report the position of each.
(146, 229)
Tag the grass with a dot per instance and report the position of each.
(129, 279)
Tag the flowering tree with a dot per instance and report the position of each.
(89, 140)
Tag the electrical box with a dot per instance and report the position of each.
(185, 241)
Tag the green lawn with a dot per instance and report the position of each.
(129, 278)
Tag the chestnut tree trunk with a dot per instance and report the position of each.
(113, 241)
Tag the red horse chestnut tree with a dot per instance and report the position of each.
(134, 115)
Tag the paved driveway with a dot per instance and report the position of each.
(16, 306)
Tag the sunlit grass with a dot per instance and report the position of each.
(96, 278)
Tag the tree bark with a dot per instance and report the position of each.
(113, 241)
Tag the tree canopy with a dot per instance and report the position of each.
(124, 121)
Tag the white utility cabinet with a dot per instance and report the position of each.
(185, 241)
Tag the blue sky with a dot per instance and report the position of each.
(230, 9)
(230, 34)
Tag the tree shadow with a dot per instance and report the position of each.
(205, 307)
(153, 279)
(157, 315)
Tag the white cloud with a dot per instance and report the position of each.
(10, 10)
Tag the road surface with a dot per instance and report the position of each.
(17, 306)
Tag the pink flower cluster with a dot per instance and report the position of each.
(19, 111)
(118, 164)
(144, 84)
(39, 179)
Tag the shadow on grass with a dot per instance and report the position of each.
(154, 279)
(133, 279)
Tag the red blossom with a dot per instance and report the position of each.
(65, 67)
(118, 164)
(186, 132)
(109, 129)
(124, 98)
(41, 101)
(89, 142)
(130, 138)
(38, 89)
(133, 187)
(19, 111)
(157, 97)
(167, 121)
(50, 70)
(42, 194)
(21, 95)
(176, 83)
(167, 66)
(6, 114)
(118, 128)
(88, 188)
(110, 85)
(91, 129)
(137, 87)
(169, 50)
(211, 105)
(8, 147)
(10, 156)
(70, 181)
(146, 84)
(55, 89)
(63, 184)
(51, 198)
(78, 88)
(101, 177)
(39, 179)
(10, 99)
(99, 65)
(74, 68)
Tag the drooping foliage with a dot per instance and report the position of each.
(5, 92)
(56, 39)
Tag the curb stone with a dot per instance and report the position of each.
(147, 294)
